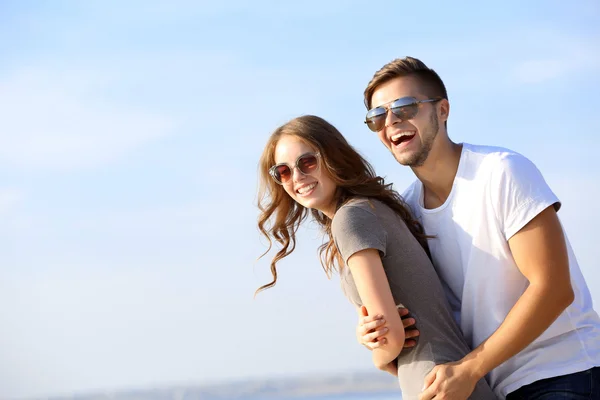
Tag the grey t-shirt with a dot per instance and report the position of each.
(370, 224)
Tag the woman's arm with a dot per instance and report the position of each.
(370, 329)
(374, 290)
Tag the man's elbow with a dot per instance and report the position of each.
(562, 294)
(568, 296)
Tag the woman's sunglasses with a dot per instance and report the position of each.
(404, 108)
(307, 163)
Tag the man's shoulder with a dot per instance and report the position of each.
(495, 159)
(489, 152)
(412, 193)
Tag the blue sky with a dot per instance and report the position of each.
(130, 134)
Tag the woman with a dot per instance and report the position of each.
(379, 250)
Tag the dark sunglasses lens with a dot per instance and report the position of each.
(405, 112)
(307, 163)
(405, 108)
(282, 173)
(376, 119)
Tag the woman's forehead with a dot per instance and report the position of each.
(289, 148)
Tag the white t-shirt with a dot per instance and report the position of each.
(495, 193)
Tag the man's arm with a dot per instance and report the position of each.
(540, 252)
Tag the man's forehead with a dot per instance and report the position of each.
(393, 100)
(394, 89)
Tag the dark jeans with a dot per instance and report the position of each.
(580, 385)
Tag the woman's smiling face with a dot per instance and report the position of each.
(315, 190)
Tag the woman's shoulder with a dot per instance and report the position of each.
(359, 210)
(356, 226)
(366, 203)
(358, 206)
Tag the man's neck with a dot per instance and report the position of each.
(438, 172)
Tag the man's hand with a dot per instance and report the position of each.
(453, 381)
(371, 329)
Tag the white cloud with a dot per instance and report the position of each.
(47, 119)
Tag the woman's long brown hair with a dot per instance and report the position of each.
(281, 216)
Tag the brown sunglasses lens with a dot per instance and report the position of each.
(282, 173)
(306, 164)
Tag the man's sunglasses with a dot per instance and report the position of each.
(307, 163)
(404, 108)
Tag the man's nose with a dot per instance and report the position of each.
(391, 118)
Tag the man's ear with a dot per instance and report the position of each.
(444, 109)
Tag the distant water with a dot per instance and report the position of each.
(361, 396)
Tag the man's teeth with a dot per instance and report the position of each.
(400, 135)
(305, 189)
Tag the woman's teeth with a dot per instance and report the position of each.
(306, 189)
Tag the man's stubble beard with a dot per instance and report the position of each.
(428, 136)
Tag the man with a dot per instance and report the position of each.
(510, 274)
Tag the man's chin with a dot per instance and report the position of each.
(403, 160)
(409, 160)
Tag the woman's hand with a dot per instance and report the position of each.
(371, 330)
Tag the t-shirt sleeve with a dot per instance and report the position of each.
(354, 229)
(520, 193)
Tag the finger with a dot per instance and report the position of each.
(369, 326)
(411, 333)
(373, 336)
(408, 322)
(409, 343)
(429, 379)
(429, 388)
(375, 345)
(363, 311)
(403, 311)
(369, 319)
(428, 393)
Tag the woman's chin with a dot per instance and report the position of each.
(307, 203)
